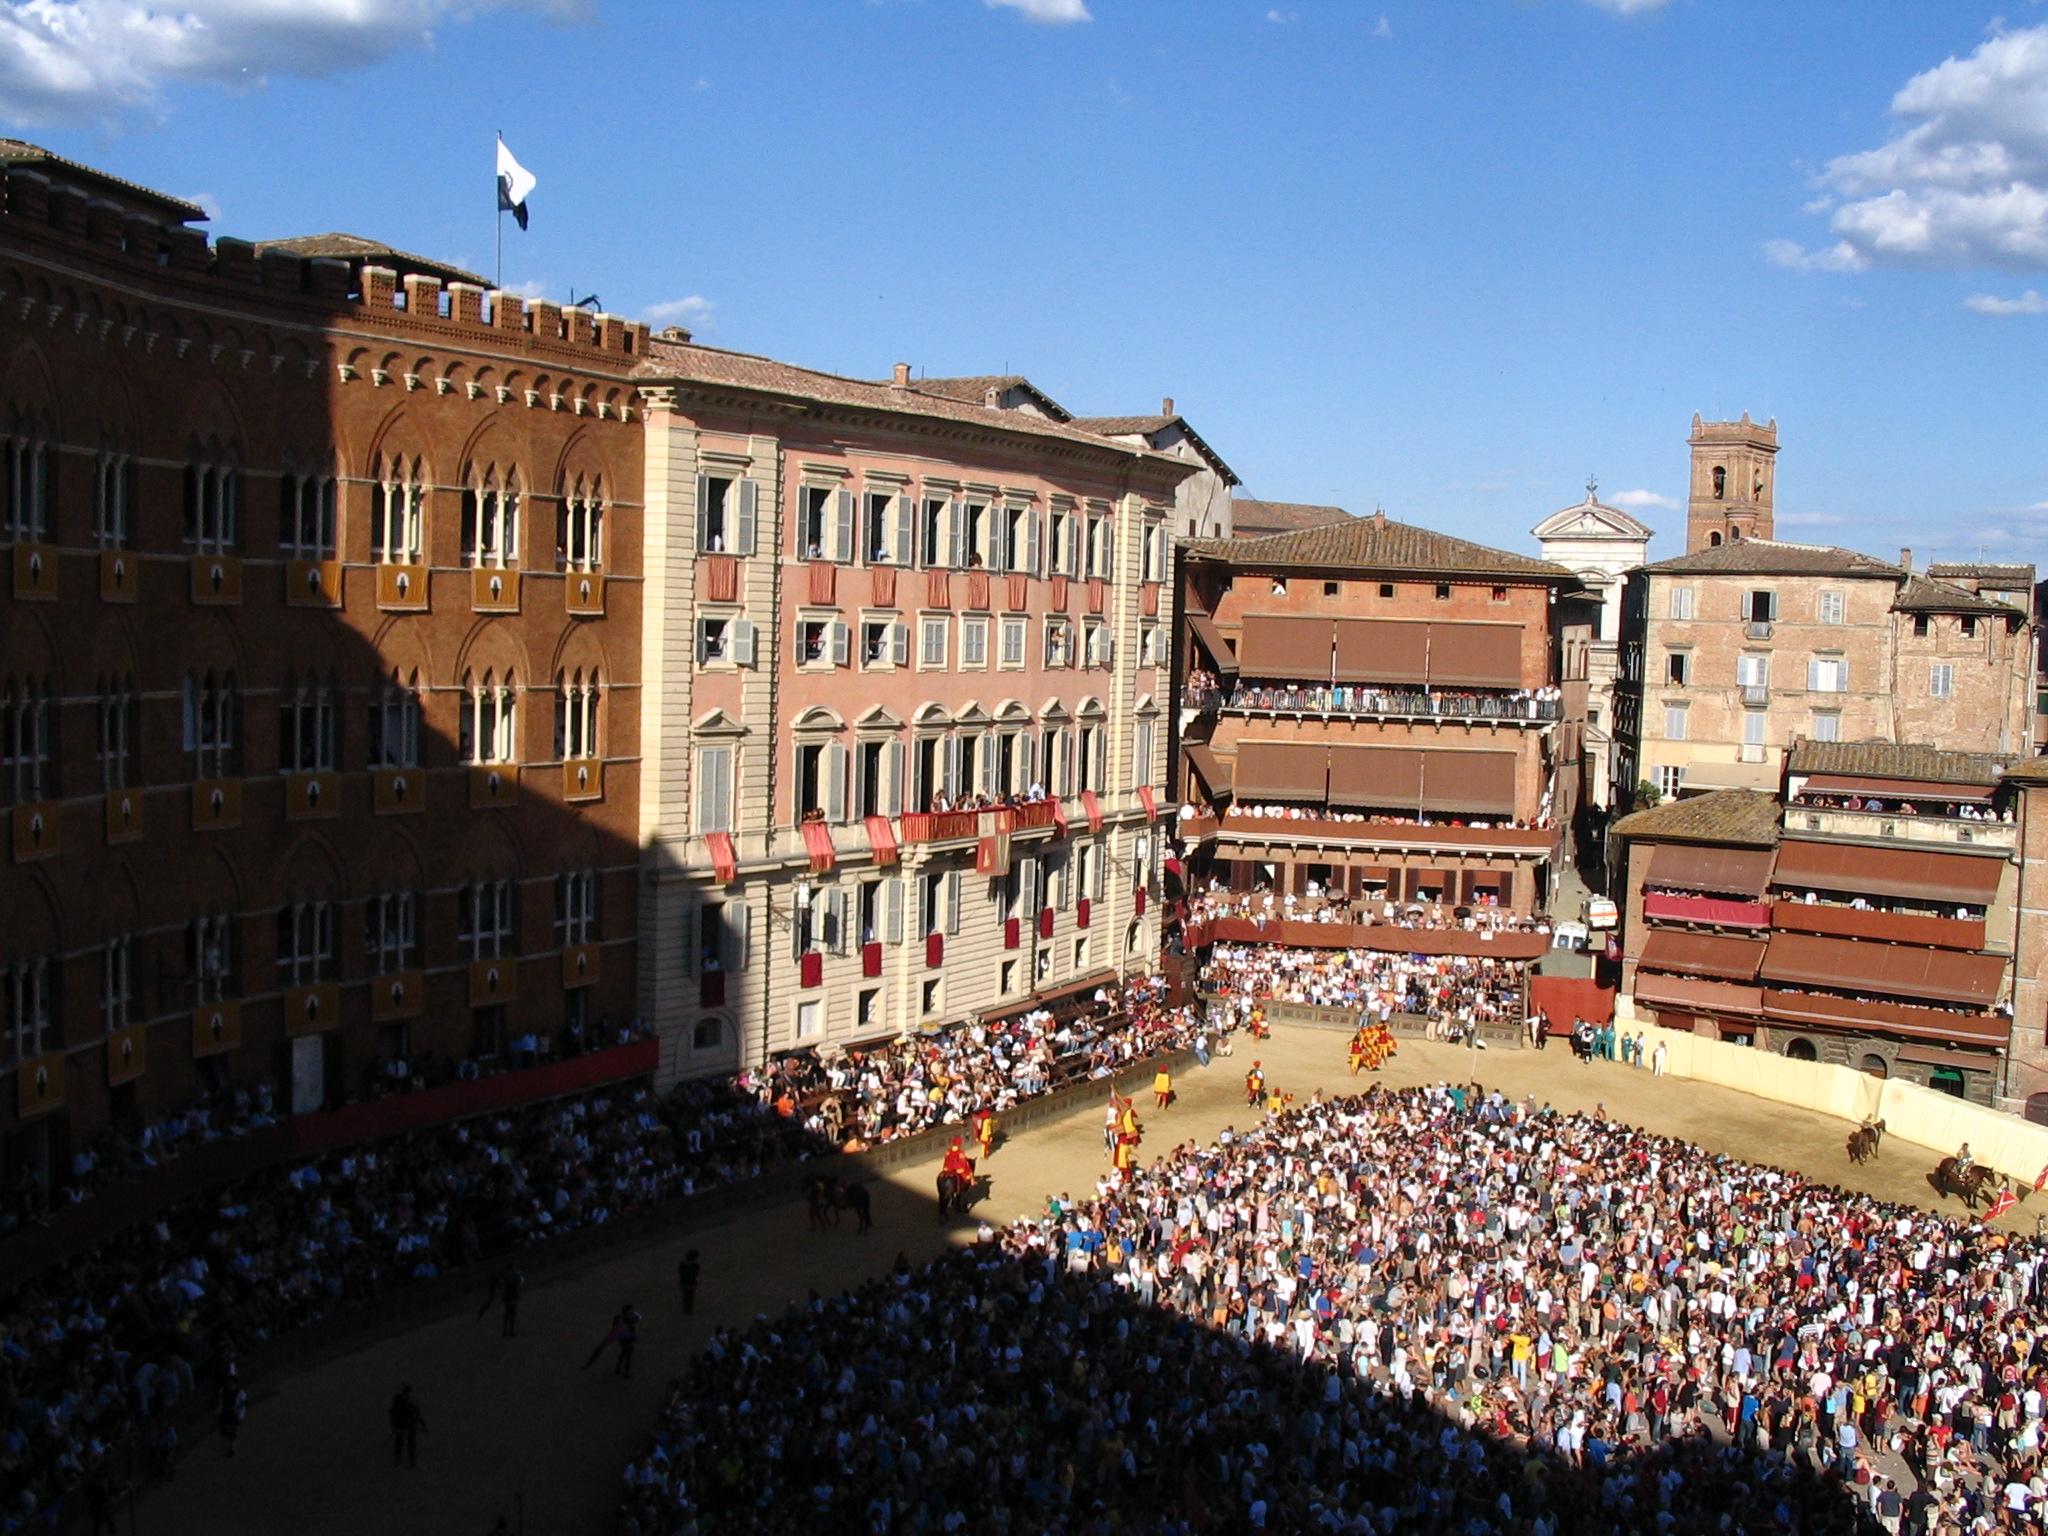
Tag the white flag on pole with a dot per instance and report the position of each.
(515, 181)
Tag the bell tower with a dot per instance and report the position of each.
(1733, 475)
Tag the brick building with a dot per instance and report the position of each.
(882, 615)
(1863, 915)
(1251, 518)
(1401, 699)
(319, 659)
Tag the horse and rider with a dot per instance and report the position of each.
(959, 1184)
(1865, 1140)
(825, 1196)
(1963, 1175)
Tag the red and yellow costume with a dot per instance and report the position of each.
(985, 1130)
(958, 1163)
(1371, 1047)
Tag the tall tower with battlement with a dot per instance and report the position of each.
(1733, 480)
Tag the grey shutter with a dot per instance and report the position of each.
(835, 782)
(743, 642)
(906, 524)
(1074, 543)
(952, 901)
(1101, 779)
(835, 922)
(744, 544)
(703, 522)
(955, 761)
(796, 642)
(687, 930)
(1027, 759)
(705, 757)
(899, 643)
(839, 643)
(999, 538)
(842, 546)
(738, 925)
(1813, 674)
(1027, 889)
(1031, 541)
(702, 650)
(956, 530)
(893, 801)
(892, 910)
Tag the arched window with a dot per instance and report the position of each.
(213, 500)
(486, 919)
(212, 725)
(579, 527)
(1720, 483)
(1801, 1050)
(398, 512)
(306, 725)
(119, 721)
(113, 498)
(305, 942)
(28, 740)
(490, 518)
(2037, 1108)
(1713, 541)
(489, 724)
(305, 517)
(576, 699)
(26, 485)
(395, 722)
(1876, 1066)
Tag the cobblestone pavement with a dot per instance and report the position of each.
(515, 1425)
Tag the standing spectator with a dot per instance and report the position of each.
(234, 1407)
(688, 1273)
(407, 1420)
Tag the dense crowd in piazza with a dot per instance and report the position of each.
(106, 1350)
(1458, 991)
(1428, 1310)
(1318, 905)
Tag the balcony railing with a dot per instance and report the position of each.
(1756, 695)
(940, 826)
(1354, 700)
(1035, 817)
(1757, 629)
(1752, 752)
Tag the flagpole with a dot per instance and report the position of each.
(499, 203)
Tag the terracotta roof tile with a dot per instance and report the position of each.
(375, 253)
(973, 388)
(1980, 570)
(693, 363)
(1253, 518)
(1922, 595)
(1378, 543)
(33, 157)
(1145, 426)
(1745, 817)
(1895, 760)
(1774, 557)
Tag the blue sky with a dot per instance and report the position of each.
(1444, 258)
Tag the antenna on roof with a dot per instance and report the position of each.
(1592, 488)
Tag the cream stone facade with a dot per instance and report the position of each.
(1740, 649)
(868, 604)
(1602, 544)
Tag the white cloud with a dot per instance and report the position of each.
(1813, 519)
(1641, 501)
(1630, 7)
(1383, 28)
(532, 288)
(1050, 13)
(1281, 18)
(2028, 303)
(1962, 184)
(81, 61)
(208, 202)
(692, 314)
(1794, 257)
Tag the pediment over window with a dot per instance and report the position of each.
(717, 723)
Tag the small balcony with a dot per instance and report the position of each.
(1756, 695)
(1752, 752)
(1756, 629)
(940, 826)
(1363, 700)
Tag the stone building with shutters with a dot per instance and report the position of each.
(1733, 652)
(1866, 914)
(906, 721)
(319, 654)
(1381, 711)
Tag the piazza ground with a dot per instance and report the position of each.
(515, 1424)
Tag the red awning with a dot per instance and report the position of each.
(1475, 655)
(1290, 647)
(724, 862)
(1221, 656)
(1147, 800)
(1093, 807)
(882, 839)
(1716, 871)
(1888, 1018)
(1892, 927)
(1702, 954)
(1715, 910)
(818, 842)
(1694, 994)
(1895, 789)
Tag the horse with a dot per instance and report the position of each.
(957, 1192)
(819, 1201)
(854, 1198)
(1864, 1141)
(1948, 1181)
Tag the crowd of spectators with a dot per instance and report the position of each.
(1954, 810)
(1320, 904)
(1366, 699)
(98, 1353)
(1425, 1310)
(1454, 992)
(857, 1098)
(1279, 812)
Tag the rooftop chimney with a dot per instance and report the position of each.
(901, 379)
(1905, 559)
(1166, 406)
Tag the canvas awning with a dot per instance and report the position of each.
(1894, 789)
(1281, 770)
(1211, 639)
(1382, 651)
(1469, 783)
(1702, 954)
(1887, 1018)
(1475, 655)
(1202, 758)
(1884, 970)
(1694, 994)
(1715, 871)
(1287, 646)
(1376, 776)
(1892, 927)
(1909, 873)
